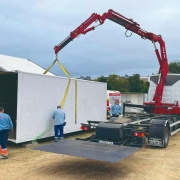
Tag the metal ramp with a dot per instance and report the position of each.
(89, 150)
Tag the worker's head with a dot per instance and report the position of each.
(116, 101)
(58, 107)
(1, 109)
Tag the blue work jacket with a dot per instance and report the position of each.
(116, 109)
(58, 116)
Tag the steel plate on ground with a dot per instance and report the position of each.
(89, 150)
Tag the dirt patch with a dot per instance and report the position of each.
(147, 163)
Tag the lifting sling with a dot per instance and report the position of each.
(65, 94)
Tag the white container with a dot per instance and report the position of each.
(30, 99)
(134, 98)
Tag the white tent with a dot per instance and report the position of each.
(10, 63)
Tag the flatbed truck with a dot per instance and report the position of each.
(114, 140)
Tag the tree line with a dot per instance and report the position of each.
(125, 84)
(174, 67)
(133, 83)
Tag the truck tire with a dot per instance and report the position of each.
(166, 136)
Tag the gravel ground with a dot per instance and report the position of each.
(147, 163)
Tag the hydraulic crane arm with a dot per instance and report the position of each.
(132, 26)
(82, 29)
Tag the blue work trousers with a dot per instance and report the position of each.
(3, 138)
(58, 128)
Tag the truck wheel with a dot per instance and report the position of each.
(166, 137)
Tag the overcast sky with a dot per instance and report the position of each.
(31, 28)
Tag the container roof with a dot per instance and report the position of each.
(10, 63)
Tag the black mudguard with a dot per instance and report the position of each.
(157, 132)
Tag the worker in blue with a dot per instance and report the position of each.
(116, 109)
(59, 121)
(5, 125)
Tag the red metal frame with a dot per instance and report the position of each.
(163, 62)
(82, 29)
(132, 26)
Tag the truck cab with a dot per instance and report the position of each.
(171, 92)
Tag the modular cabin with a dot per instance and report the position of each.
(31, 98)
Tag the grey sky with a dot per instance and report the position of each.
(30, 29)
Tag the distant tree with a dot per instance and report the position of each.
(174, 67)
(135, 84)
(123, 85)
(130, 84)
(102, 79)
(82, 77)
(113, 82)
(145, 87)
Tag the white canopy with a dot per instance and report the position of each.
(10, 63)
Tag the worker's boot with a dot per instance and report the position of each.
(3, 157)
(61, 138)
(56, 139)
(4, 153)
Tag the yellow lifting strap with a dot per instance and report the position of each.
(68, 85)
(76, 99)
(64, 69)
(65, 95)
(48, 69)
(60, 65)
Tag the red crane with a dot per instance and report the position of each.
(142, 129)
(156, 106)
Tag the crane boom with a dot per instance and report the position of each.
(132, 26)
(82, 29)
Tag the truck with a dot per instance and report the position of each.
(159, 118)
